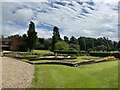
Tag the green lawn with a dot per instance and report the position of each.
(82, 58)
(101, 75)
(43, 52)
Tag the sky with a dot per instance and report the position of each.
(88, 18)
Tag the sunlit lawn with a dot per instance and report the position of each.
(43, 51)
(101, 75)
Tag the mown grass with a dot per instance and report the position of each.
(101, 75)
(82, 58)
(43, 52)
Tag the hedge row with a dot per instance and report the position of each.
(66, 51)
(19, 53)
(105, 54)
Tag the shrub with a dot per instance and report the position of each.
(105, 54)
(74, 47)
(61, 45)
(109, 58)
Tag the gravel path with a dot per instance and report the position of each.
(16, 74)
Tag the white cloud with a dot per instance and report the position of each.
(23, 15)
(72, 18)
(44, 33)
(24, 0)
(12, 30)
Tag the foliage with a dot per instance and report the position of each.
(61, 45)
(30, 42)
(23, 46)
(105, 54)
(32, 36)
(55, 37)
(47, 44)
(118, 47)
(66, 39)
(101, 48)
(109, 58)
(73, 40)
(74, 47)
(81, 41)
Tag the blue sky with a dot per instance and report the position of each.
(90, 18)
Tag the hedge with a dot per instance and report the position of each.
(66, 51)
(105, 54)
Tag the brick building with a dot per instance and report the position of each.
(10, 44)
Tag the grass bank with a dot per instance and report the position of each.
(101, 75)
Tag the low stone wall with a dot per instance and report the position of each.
(86, 62)
(44, 58)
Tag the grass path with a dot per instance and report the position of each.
(101, 75)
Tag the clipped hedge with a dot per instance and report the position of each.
(105, 54)
(21, 55)
(66, 51)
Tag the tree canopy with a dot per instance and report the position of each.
(32, 36)
(61, 45)
(31, 41)
(55, 37)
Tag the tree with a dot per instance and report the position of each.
(115, 44)
(61, 45)
(82, 43)
(23, 46)
(101, 48)
(74, 47)
(66, 39)
(73, 40)
(32, 36)
(55, 37)
(118, 46)
(47, 43)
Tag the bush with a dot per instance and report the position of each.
(105, 54)
(74, 47)
(61, 46)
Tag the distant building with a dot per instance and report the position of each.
(10, 44)
(5, 44)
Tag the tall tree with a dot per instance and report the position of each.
(115, 44)
(118, 46)
(32, 36)
(73, 40)
(55, 37)
(82, 43)
(23, 46)
(66, 39)
(47, 43)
